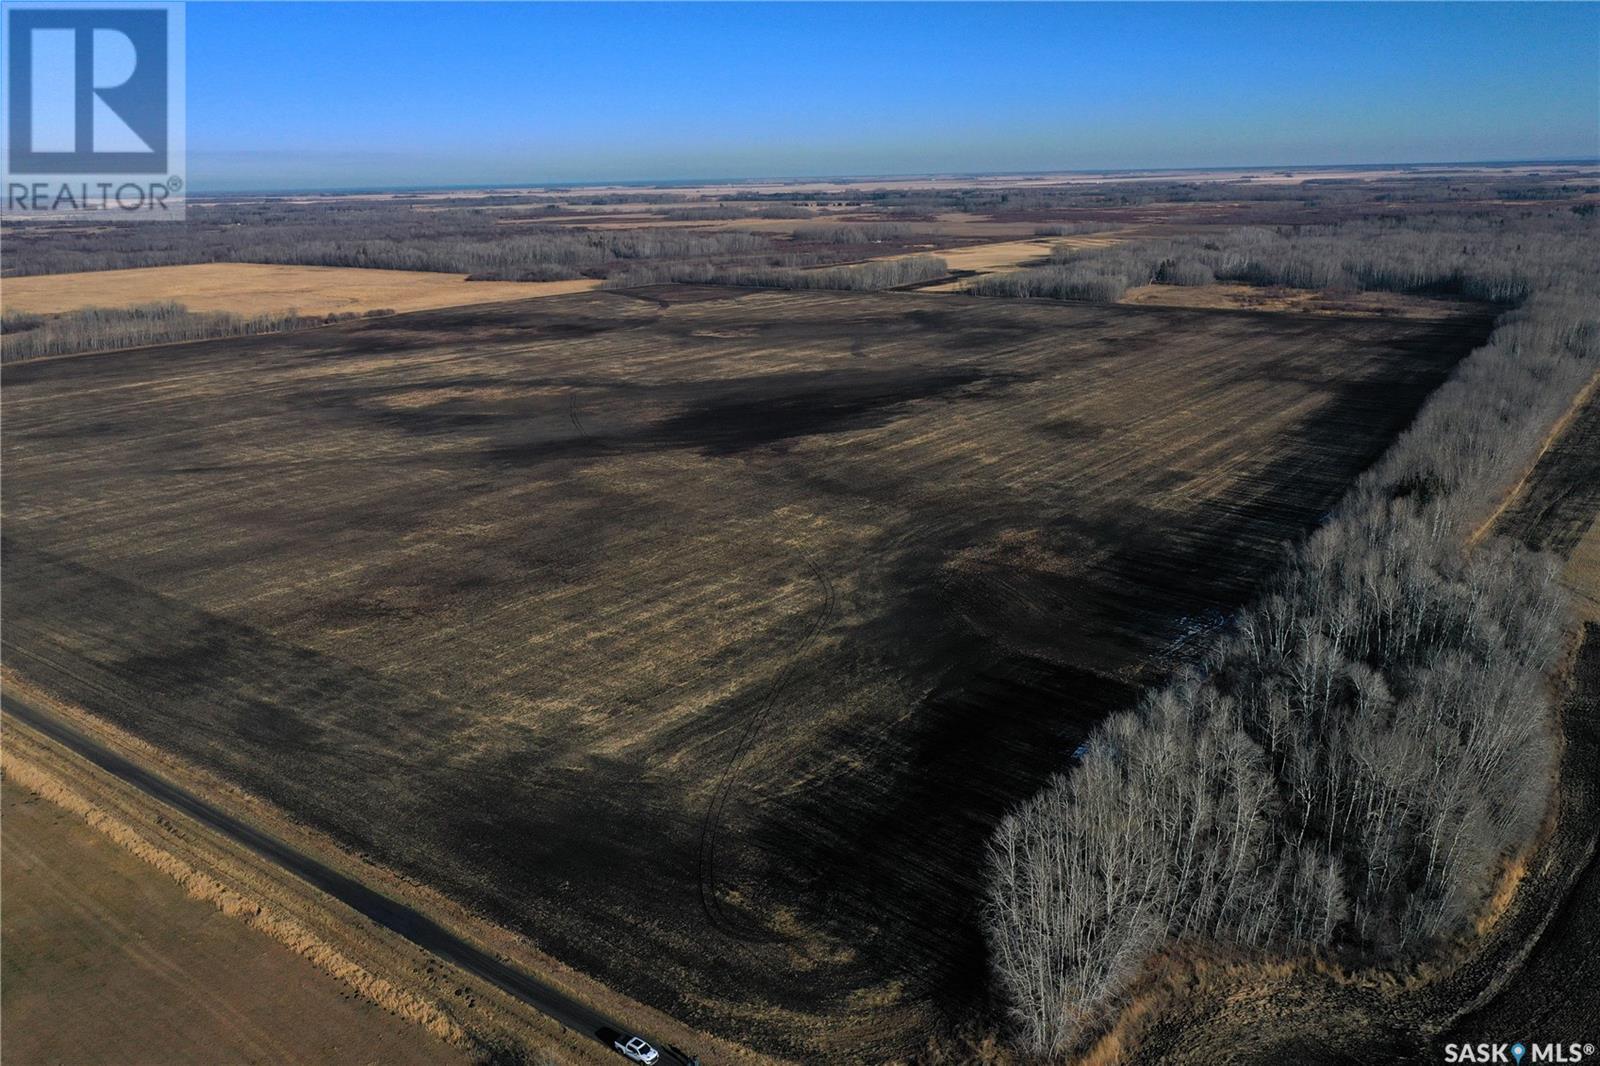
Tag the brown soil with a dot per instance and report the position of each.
(709, 628)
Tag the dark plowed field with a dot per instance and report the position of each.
(1562, 494)
(700, 635)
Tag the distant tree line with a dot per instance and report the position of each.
(862, 277)
(1073, 229)
(705, 213)
(723, 211)
(785, 211)
(1377, 196)
(854, 232)
(1373, 739)
(511, 235)
(1054, 282)
(475, 241)
(471, 237)
(29, 336)
(1497, 258)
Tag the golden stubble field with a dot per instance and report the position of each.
(698, 626)
(261, 288)
(108, 960)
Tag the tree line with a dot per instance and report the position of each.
(1374, 197)
(467, 237)
(30, 336)
(1072, 229)
(1495, 258)
(854, 232)
(475, 241)
(862, 277)
(1372, 739)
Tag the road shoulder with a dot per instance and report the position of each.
(378, 964)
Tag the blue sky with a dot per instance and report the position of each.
(368, 94)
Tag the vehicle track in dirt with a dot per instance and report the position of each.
(711, 823)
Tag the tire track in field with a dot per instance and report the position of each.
(572, 413)
(711, 823)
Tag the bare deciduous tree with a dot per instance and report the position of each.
(1373, 736)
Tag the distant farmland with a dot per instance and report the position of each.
(697, 626)
(263, 288)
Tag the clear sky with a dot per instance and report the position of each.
(323, 95)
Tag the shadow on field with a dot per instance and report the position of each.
(501, 598)
(912, 863)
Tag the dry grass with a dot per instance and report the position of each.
(1228, 296)
(258, 288)
(1262, 1008)
(1009, 255)
(1510, 878)
(998, 257)
(990, 258)
(1582, 575)
(89, 917)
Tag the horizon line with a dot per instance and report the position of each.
(330, 190)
